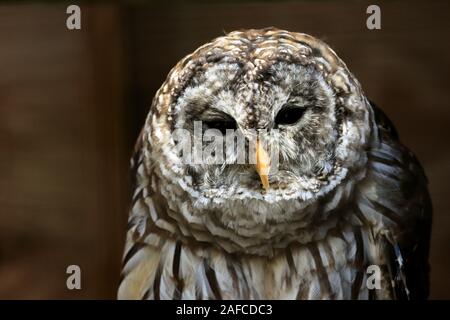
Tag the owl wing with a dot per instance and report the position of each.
(396, 197)
(140, 261)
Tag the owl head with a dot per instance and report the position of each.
(293, 106)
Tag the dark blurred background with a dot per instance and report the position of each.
(73, 102)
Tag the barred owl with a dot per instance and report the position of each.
(346, 194)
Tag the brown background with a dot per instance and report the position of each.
(72, 102)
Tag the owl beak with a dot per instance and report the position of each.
(262, 164)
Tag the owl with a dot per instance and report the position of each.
(341, 212)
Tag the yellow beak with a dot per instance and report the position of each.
(262, 164)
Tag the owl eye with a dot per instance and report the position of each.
(289, 115)
(220, 124)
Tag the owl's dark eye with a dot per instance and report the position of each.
(221, 124)
(289, 115)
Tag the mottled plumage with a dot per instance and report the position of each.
(347, 193)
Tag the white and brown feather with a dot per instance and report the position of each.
(188, 239)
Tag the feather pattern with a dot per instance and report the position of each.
(355, 197)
